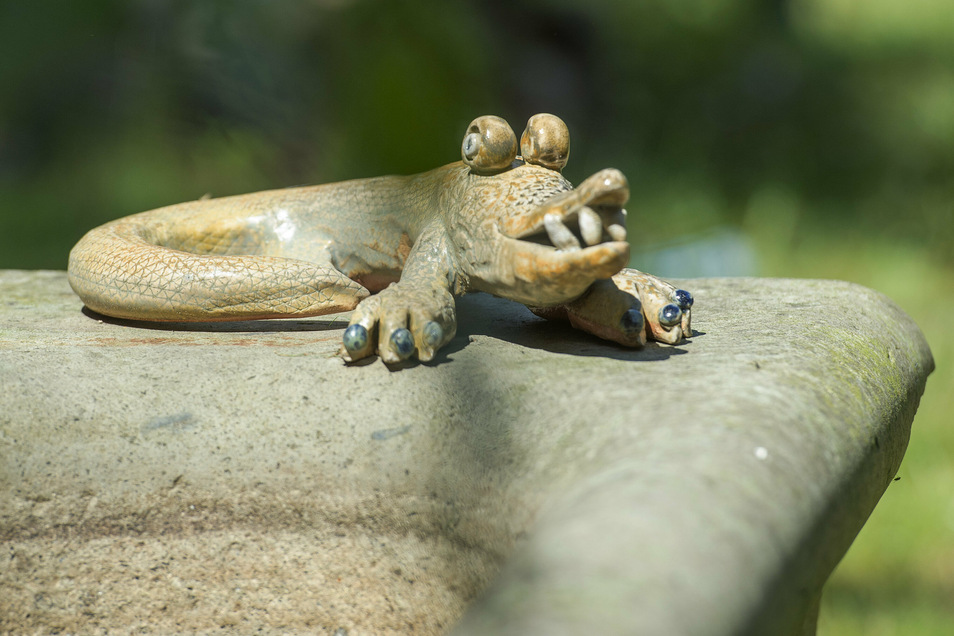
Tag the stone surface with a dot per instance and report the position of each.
(158, 479)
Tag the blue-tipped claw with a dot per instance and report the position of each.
(632, 321)
(403, 342)
(683, 299)
(670, 315)
(355, 338)
(432, 334)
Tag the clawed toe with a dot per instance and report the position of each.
(683, 299)
(402, 343)
(670, 315)
(632, 323)
(355, 340)
(432, 334)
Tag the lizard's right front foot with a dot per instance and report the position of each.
(399, 321)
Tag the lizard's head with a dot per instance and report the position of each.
(523, 231)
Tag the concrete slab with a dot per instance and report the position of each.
(532, 480)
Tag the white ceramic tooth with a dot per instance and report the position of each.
(559, 234)
(590, 226)
(617, 232)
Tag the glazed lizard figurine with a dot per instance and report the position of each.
(497, 222)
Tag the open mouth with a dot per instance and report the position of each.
(587, 216)
(586, 226)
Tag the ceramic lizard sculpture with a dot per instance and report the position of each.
(497, 222)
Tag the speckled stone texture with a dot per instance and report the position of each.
(532, 480)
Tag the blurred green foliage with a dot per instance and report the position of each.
(823, 130)
(109, 107)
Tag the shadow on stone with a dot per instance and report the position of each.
(507, 321)
(238, 326)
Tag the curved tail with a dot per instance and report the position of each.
(119, 270)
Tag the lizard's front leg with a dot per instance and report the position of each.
(417, 313)
(629, 308)
(667, 310)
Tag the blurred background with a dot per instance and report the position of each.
(797, 138)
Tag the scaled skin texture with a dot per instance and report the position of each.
(397, 250)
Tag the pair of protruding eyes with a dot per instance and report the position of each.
(490, 145)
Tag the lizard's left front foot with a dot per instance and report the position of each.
(399, 321)
(630, 308)
(667, 310)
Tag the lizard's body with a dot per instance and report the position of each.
(322, 249)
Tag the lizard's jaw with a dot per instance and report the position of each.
(543, 276)
(578, 219)
(552, 254)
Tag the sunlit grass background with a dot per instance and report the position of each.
(797, 138)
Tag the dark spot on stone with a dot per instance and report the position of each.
(174, 423)
(388, 433)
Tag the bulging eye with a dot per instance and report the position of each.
(489, 146)
(471, 146)
(546, 142)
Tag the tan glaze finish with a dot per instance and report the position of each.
(497, 222)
